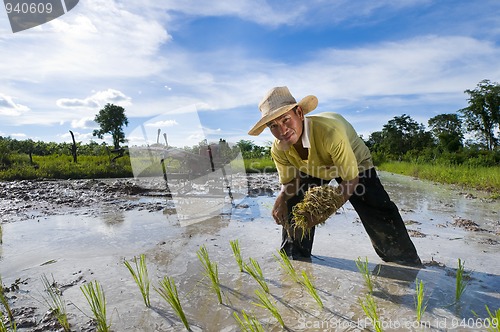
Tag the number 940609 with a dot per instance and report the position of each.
(28, 8)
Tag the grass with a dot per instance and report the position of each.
(477, 177)
(255, 271)
(370, 308)
(211, 271)
(168, 291)
(235, 246)
(95, 297)
(306, 282)
(56, 302)
(265, 302)
(248, 323)
(366, 273)
(259, 165)
(461, 282)
(419, 299)
(286, 264)
(58, 166)
(141, 277)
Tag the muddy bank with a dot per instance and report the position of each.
(79, 231)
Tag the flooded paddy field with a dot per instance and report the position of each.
(78, 231)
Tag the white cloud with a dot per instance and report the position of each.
(163, 123)
(9, 108)
(19, 135)
(96, 100)
(84, 123)
(79, 137)
(97, 39)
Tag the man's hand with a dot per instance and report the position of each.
(280, 210)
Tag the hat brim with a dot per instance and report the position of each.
(307, 104)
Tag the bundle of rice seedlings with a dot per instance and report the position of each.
(319, 204)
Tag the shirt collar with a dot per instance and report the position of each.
(306, 143)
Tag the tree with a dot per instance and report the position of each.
(403, 134)
(447, 129)
(111, 119)
(483, 113)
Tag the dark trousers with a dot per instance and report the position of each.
(379, 215)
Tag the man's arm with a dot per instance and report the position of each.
(280, 208)
(348, 188)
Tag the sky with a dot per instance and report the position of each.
(198, 69)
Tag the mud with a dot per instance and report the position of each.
(77, 231)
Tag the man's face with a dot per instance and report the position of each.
(288, 127)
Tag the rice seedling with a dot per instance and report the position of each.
(419, 299)
(286, 264)
(5, 303)
(211, 271)
(3, 327)
(248, 323)
(94, 294)
(370, 308)
(255, 271)
(168, 291)
(461, 283)
(141, 277)
(492, 323)
(56, 303)
(265, 303)
(308, 285)
(365, 271)
(235, 246)
(319, 204)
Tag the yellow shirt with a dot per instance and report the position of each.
(335, 150)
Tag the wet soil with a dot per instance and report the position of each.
(77, 231)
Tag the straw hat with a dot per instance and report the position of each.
(277, 102)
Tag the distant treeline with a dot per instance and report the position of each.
(469, 137)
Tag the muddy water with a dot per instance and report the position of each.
(445, 224)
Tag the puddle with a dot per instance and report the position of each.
(75, 249)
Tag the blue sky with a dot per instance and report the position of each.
(198, 69)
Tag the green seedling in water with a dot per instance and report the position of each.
(370, 308)
(365, 271)
(308, 285)
(286, 264)
(95, 297)
(5, 304)
(235, 246)
(56, 303)
(248, 323)
(211, 271)
(461, 283)
(493, 321)
(419, 299)
(3, 328)
(256, 272)
(168, 291)
(265, 303)
(141, 277)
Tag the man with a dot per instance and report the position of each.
(311, 151)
